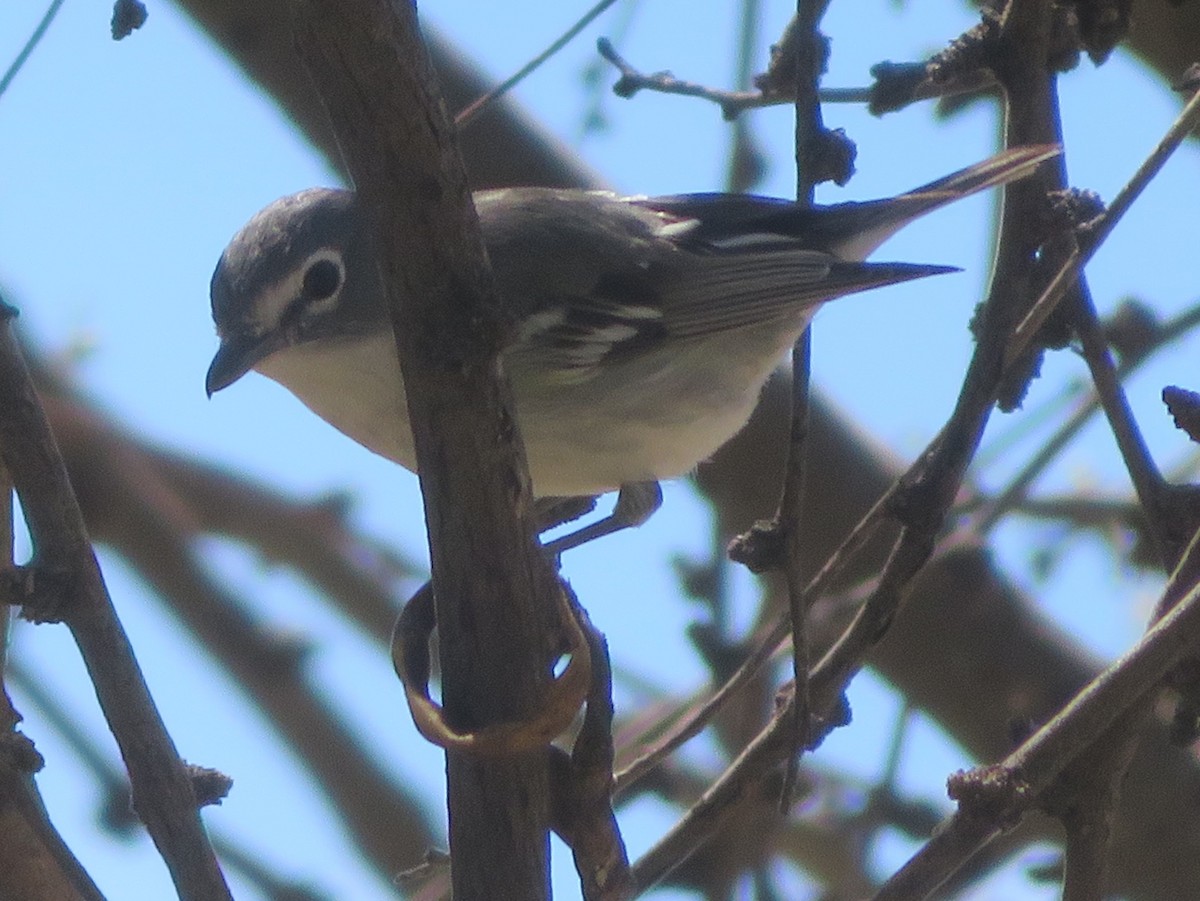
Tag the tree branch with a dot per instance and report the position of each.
(493, 588)
(162, 788)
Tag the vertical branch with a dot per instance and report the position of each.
(745, 161)
(8, 716)
(493, 589)
(1085, 796)
(583, 811)
(810, 142)
(810, 50)
(1093, 784)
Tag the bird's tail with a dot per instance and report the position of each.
(1010, 165)
(862, 227)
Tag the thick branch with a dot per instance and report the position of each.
(493, 589)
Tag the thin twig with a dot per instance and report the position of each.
(1017, 783)
(1144, 473)
(790, 519)
(732, 103)
(1100, 228)
(1013, 494)
(746, 165)
(467, 115)
(582, 800)
(766, 648)
(891, 763)
(809, 63)
(30, 45)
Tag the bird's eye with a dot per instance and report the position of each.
(322, 279)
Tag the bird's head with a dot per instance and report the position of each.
(298, 272)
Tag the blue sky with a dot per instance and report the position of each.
(128, 166)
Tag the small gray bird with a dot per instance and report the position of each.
(646, 326)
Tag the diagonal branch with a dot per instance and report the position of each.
(162, 789)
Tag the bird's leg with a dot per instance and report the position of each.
(563, 698)
(636, 503)
(552, 512)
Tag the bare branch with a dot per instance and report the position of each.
(1098, 230)
(493, 589)
(809, 50)
(25, 52)
(468, 114)
(162, 789)
(1011, 497)
(36, 862)
(992, 798)
(583, 810)
(732, 103)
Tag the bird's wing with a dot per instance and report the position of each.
(696, 289)
(734, 290)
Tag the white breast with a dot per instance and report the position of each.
(354, 385)
(650, 421)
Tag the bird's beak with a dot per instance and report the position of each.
(236, 356)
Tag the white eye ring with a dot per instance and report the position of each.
(320, 278)
(323, 276)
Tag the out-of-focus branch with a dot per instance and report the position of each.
(258, 38)
(1165, 35)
